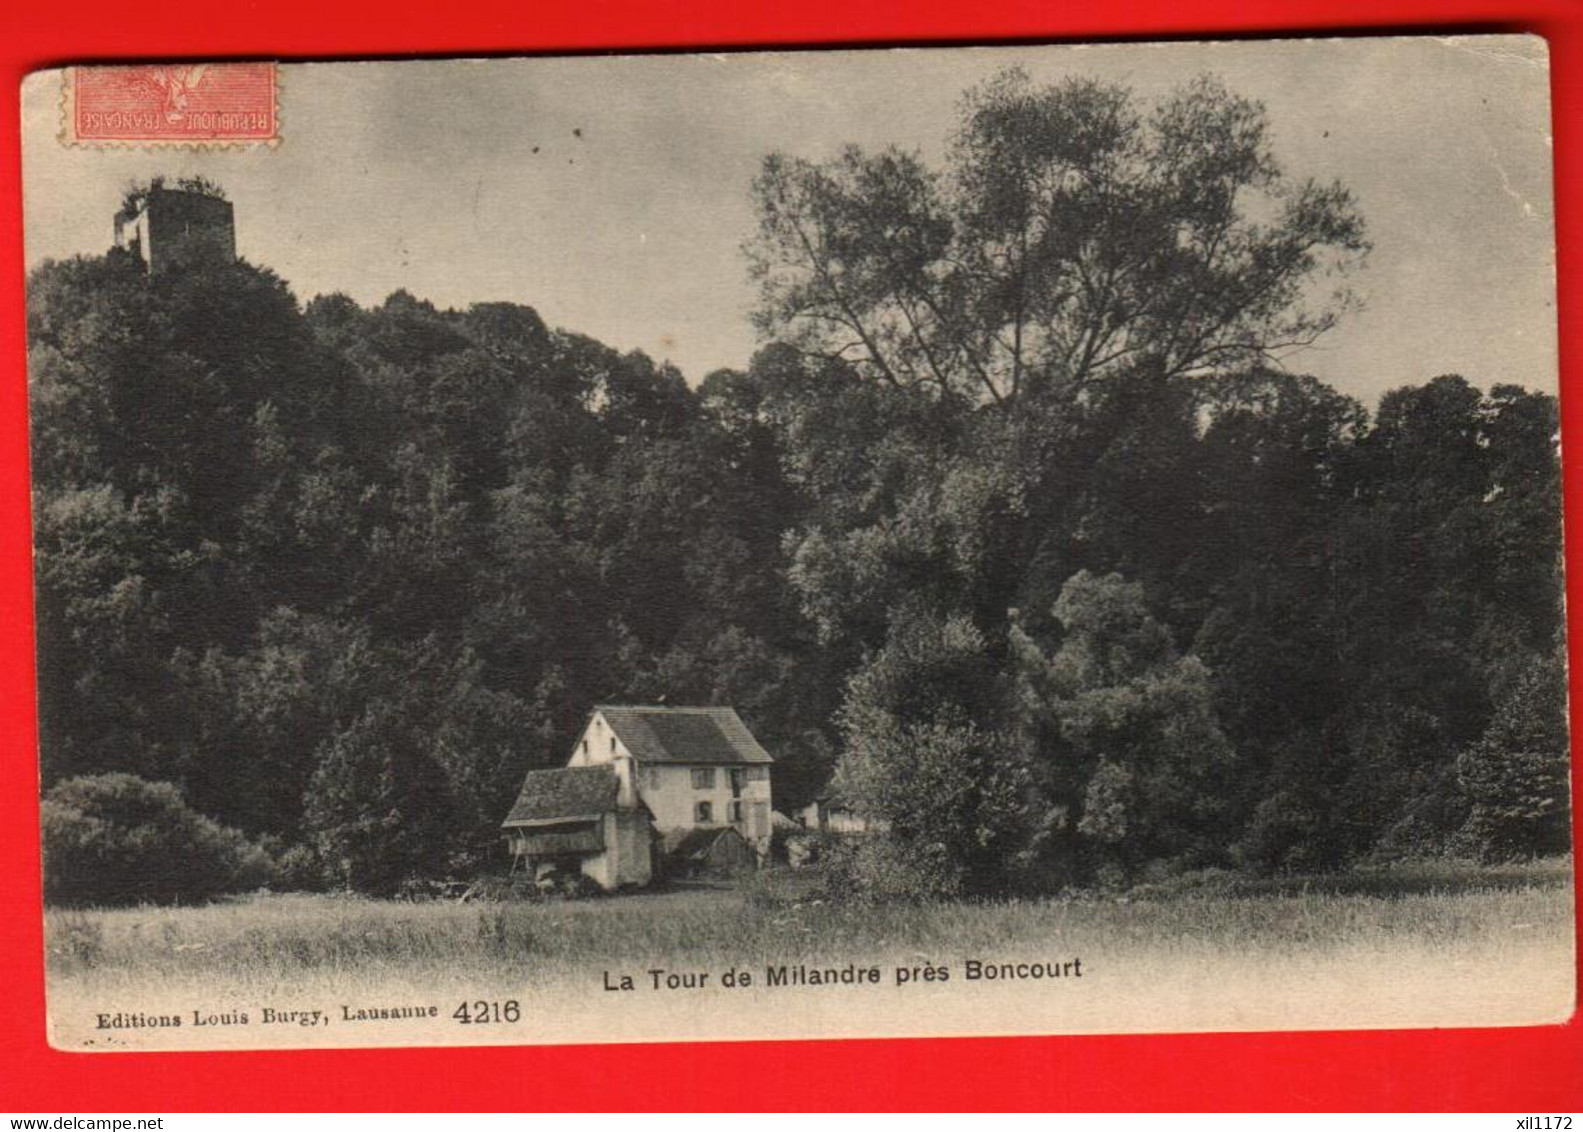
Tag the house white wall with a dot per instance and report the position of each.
(628, 841)
(625, 860)
(668, 790)
(671, 793)
(599, 744)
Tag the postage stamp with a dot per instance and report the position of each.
(170, 104)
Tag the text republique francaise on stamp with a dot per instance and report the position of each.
(170, 104)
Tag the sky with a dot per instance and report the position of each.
(612, 193)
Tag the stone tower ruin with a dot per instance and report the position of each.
(167, 227)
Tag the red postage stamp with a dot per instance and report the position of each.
(171, 104)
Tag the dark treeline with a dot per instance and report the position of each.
(1056, 597)
(344, 575)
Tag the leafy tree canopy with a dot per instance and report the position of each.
(1073, 234)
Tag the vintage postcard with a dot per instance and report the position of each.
(851, 543)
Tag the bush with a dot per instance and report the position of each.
(1430, 825)
(781, 838)
(1516, 776)
(1125, 733)
(925, 759)
(888, 870)
(499, 887)
(119, 839)
(298, 869)
(377, 804)
(1203, 883)
(1289, 833)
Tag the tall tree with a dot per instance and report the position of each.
(1074, 234)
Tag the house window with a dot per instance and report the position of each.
(612, 744)
(703, 778)
(757, 773)
(703, 812)
(585, 746)
(735, 812)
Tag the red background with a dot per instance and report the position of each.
(1532, 1070)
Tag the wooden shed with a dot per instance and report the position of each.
(581, 819)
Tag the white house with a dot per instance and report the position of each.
(666, 770)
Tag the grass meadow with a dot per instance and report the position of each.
(1407, 943)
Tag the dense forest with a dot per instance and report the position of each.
(1014, 528)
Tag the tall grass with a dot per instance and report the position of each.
(270, 941)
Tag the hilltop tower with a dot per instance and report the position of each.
(163, 227)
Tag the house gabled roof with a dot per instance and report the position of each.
(574, 793)
(695, 735)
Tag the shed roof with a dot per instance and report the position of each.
(710, 735)
(833, 799)
(696, 843)
(570, 793)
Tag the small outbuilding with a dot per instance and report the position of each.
(718, 851)
(831, 813)
(580, 819)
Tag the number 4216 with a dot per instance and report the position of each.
(483, 1012)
